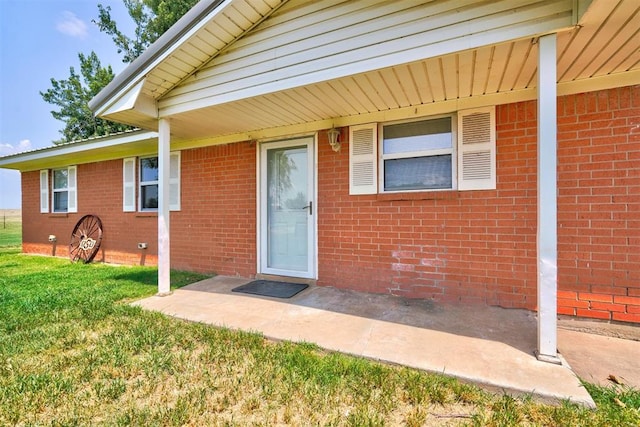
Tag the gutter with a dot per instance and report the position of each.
(158, 48)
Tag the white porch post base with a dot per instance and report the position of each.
(547, 232)
(164, 254)
(549, 359)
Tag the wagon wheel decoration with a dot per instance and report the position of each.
(85, 239)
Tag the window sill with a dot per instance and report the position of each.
(58, 215)
(418, 195)
(146, 214)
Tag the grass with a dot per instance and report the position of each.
(10, 228)
(73, 352)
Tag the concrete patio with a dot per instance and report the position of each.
(489, 346)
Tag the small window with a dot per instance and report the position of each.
(144, 187)
(60, 190)
(149, 183)
(418, 155)
(64, 194)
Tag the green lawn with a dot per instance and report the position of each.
(73, 352)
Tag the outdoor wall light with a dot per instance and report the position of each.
(53, 238)
(142, 246)
(334, 139)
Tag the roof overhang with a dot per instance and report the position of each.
(124, 100)
(133, 143)
(597, 48)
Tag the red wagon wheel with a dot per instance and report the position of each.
(85, 239)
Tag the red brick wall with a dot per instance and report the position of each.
(470, 247)
(214, 231)
(480, 246)
(216, 227)
(99, 193)
(599, 204)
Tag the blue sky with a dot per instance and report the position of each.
(40, 40)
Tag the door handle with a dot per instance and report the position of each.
(310, 207)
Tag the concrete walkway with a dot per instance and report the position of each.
(489, 346)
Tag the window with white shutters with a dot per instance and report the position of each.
(146, 183)
(63, 190)
(434, 153)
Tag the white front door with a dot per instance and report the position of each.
(287, 231)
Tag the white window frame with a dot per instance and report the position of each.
(142, 183)
(48, 191)
(453, 151)
(55, 191)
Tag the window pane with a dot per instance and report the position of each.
(60, 178)
(149, 169)
(149, 196)
(417, 136)
(418, 173)
(60, 201)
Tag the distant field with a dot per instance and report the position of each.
(10, 228)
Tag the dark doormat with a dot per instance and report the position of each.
(269, 288)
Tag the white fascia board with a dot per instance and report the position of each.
(133, 100)
(125, 102)
(21, 161)
(146, 105)
(140, 75)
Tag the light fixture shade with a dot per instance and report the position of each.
(333, 135)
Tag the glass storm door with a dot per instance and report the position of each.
(287, 209)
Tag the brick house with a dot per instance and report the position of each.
(481, 153)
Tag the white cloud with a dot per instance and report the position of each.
(71, 25)
(22, 146)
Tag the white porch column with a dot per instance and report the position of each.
(547, 232)
(164, 258)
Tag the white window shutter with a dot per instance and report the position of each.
(44, 191)
(174, 181)
(363, 159)
(72, 188)
(129, 184)
(477, 149)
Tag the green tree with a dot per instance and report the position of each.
(152, 18)
(72, 97)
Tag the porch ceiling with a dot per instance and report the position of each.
(604, 46)
(606, 42)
